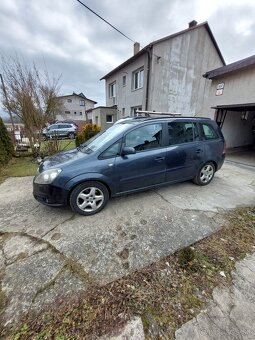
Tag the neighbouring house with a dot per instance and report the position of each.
(19, 130)
(75, 107)
(166, 75)
(231, 101)
(103, 116)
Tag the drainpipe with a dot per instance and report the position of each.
(149, 53)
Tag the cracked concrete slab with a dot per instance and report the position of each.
(23, 281)
(131, 232)
(231, 313)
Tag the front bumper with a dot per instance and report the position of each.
(51, 195)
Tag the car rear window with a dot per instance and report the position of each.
(182, 132)
(208, 132)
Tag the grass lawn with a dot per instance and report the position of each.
(26, 166)
(64, 144)
(18, 167)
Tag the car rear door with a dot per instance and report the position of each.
(185, 151)
(147, 166)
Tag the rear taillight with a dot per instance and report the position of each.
(224, 148)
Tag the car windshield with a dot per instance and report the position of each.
(96, 142)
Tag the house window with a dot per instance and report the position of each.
(138, 79)
(82, 102)
(109, 119)
(96, 119)
(123, 112)
(112, 90)
(124, 80)
(134, 109)
(67, 112)
(69, 100)
(80, 113)
(75, 112)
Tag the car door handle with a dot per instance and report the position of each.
(159, 159)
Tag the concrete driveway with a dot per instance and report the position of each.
(47, 253)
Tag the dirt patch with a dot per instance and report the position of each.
(166, 294)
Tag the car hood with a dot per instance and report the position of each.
(62, 158)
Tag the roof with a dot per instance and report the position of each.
(171, 36)
(236, 107)
(233, 67)
(81, 95)
(102, 107)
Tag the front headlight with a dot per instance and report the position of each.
(47, 176)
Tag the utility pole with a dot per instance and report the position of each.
(8, 107)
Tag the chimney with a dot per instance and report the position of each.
(192, 23)
(136, 48)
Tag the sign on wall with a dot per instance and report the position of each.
(219, 89)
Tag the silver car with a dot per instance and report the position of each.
(60, 130)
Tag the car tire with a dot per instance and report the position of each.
(45, 137)
(71, 135)
(89, 198)
(205, 174)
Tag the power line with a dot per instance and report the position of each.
(116, 29)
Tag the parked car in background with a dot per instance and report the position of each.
(132, 155)
(60, 130)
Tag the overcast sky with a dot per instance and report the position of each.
(72, 41)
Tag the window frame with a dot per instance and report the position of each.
(112, 89)
(124, 80)
(69, 100)
(140, 79)
(110, 122)
(82, 102)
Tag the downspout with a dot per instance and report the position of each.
(149, 53)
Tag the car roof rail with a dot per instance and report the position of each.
(158, 113)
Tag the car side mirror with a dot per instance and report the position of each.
(127, 150)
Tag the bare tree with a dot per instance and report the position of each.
(32, 95)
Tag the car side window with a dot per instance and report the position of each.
(112, 151)
(208, 132)
(182, 132)
(145, 138)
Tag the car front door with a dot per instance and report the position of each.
(185, 151)
(147, 166)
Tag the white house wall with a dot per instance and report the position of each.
(73, 107)
(238, 89)
(125, 96)
(178, 64)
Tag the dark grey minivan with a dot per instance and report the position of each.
(130, 156)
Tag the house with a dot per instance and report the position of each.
(231, 101)
(74, 107)
(103, 116)
(166, 75)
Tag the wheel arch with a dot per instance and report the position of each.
(214, 163)
(71, 188)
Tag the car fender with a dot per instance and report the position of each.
(91, 176)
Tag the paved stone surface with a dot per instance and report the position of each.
(41, 246)
(231, 314)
